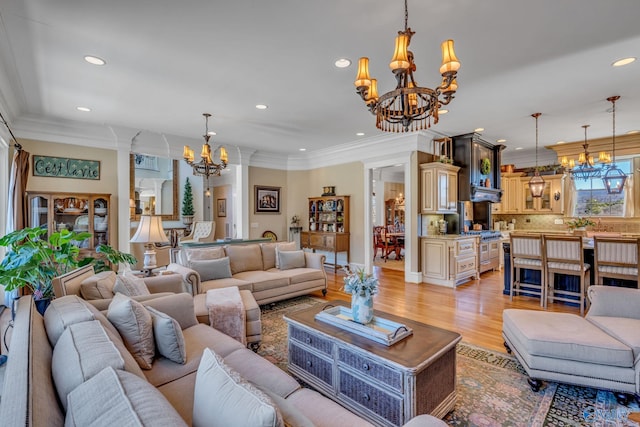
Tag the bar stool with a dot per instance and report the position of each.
(527, 253)
(563, 255)
(616, 258)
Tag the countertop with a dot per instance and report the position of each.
(448, 236)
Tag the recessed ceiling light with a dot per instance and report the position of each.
(560, 142)
(623, 61)
(518, 148)
(302, 149)
(360, 134)
(443, 111)
(261, 107)
(84, 109)
(211, 133)
(342, 63)
(94, 60)
(633, 132)
(501, 140)
(478, 129)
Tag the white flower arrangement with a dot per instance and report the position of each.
(360, 283)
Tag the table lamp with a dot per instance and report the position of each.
(149, 231)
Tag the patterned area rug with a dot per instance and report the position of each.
(492, 387)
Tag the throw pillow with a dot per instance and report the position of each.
(283, 247)
(118, 398)
(134, 323)
(236, 403)
(212, 269)
(291, 259)
(168, 336)
(244, 258)
(130, 285)
(62, 312)
(98, 286)
(83, 350)
(204, 253)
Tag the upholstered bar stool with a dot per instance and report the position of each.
(563, 255)
(616, 258)
(526, 253)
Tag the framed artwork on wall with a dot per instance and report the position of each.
(267, 199)
(222, 207)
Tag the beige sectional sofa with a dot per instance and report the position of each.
(254, 267)
(75, 351)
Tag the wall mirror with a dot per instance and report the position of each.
(153, 186)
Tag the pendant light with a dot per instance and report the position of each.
(614, 178)
(536, 183)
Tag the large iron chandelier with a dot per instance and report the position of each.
(205, 167)
(536, 183)
(614, 178)
(408, 107)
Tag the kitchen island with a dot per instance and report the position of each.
(449, 259)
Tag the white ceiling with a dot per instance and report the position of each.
(170, 61)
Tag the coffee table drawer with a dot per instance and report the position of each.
(311, 363)
(384, 404)
(368, 367)
(321, 344)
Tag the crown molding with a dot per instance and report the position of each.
(625, 145)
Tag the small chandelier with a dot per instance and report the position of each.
(614, 178)
(586, 168)
(408, 107)
(536, 183)
(205, 167)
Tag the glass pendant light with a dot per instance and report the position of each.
(614, 178)
(536, 183)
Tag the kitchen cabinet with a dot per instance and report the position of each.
(438, 188)
(470, 152)
(449, 260)
(551, 200)
(488, 255)
(511, 202)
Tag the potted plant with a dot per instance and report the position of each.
(187, 204)
(123, 260)
(362, 287)
(33, 260)
(578, 225)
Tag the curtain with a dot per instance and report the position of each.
(628, 197)
(570, 196)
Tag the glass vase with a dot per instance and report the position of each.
(362, 308)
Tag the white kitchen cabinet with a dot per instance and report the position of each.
(551, 200)
(511, 202)
(439, 188)
(449, 260)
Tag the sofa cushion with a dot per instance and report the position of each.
(623, 329)
(204, 253)
(262, 280)
(62, 312)
(98, 286)
(134, 323)
(168, 336)
(268, 255)
(300, 275)
(225, 283)
(118, 398)
(178, 306)
(324, 412)
(130, 285)
(290, 259)
(283, 247)
(212, 269)
(244, 258)
(290, 414)
(237, 402)
(82, 351)
(546, 334)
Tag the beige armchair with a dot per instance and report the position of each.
(201, 231)
(163, 254)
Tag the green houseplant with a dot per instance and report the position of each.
(187, 204)
(580, 222)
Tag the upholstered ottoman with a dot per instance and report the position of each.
(567, 348)
(251, 312)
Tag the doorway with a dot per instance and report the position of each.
(388, 217)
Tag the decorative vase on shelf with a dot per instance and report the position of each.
(487, 183)
(362, 308)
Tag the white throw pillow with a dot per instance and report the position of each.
(236, 402)
(134, 323)
(168, 336)
(291, 259)
(283, 247)
(130, 285)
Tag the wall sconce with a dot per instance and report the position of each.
(556, 196)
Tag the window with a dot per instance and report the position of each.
(592, 198)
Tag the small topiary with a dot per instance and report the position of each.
(187, 201)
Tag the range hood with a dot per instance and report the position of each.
(469, 152)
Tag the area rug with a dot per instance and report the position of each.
(492, 387)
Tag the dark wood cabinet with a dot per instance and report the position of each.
(328, 226)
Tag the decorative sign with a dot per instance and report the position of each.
(62, 167)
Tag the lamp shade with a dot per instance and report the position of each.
(149, 230)
(372, 96)
(400, 60)
(362, 79)
(450, 63)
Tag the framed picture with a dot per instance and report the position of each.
(267, 199)
(222, 207)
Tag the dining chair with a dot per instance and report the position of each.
(395, 237)
(564, 255)
(527, 254)
(380, 241)
(616, 258)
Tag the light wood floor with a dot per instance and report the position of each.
(474, 309)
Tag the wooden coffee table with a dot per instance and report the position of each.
(387, 385)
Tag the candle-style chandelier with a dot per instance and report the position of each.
(205, 167)
(408, 107)
(586, 167)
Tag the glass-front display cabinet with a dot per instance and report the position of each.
(75, 212)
